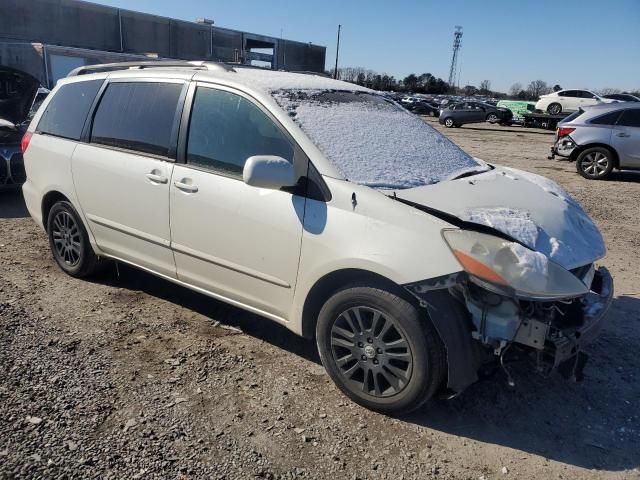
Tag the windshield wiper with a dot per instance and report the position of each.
(471, 173)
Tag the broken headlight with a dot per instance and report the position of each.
(510, 269)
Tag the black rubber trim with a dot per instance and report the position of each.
(464, 354)
(457, 222)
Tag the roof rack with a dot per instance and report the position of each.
(110, 67)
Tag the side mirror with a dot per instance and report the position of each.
(268, 171)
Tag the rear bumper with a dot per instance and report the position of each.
(563, 147)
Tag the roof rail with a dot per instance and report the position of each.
(110, 67)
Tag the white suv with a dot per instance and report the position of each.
(322, 206)
(568, 101)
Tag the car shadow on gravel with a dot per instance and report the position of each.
(256, 326)
(624, 176)
(492, 128)
(594, 424)
(12, 204)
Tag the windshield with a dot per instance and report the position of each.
(373, 141)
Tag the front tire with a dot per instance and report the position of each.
(554, 109)
(595, 163)
(449, 123)
(380, 350)
(69, 241)
(492, 118)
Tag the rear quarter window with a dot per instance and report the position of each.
(67, 111)
(607, 119)
(137, 116)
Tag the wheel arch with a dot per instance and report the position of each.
(330, 283)
(48, 201)
(582, 148)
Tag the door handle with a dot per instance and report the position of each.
(622, 134)
(157, 178)
(186, 187)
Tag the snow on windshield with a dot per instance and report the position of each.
(374, 142)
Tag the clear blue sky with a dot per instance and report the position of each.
(580, 44)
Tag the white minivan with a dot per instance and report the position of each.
(325, 207)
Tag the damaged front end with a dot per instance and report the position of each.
(516, 301)
(554, 332)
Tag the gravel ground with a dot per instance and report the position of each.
(128, 376)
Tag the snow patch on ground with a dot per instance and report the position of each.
(379, 144)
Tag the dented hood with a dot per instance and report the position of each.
(529, 208)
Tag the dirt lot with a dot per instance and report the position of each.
(128, 376)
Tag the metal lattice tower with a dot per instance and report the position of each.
(457, 42)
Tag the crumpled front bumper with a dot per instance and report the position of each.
(564, 351)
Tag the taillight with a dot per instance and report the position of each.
(26, 138)
(564, 131)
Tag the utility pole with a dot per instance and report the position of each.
(335, 71)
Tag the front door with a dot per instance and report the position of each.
(122, 176)
(626, 138)
(239, 242)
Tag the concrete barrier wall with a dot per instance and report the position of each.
(85, 25)
(142, 33)
(61, 22)
(297, 56)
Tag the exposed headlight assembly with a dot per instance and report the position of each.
(509, 269)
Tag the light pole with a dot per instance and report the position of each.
(335, 71)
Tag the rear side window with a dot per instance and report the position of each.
(606, 119)
(137, 116)
(572, 117)
(67, 111)
(630, 118)
(226, 129)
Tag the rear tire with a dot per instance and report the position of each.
(449, 123)
(492, 118)
(380, 350)
(554, 109)
(595, 163)
(69, 241)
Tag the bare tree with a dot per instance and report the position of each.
(469, 90)
(608, 91)
(537, 88)
(485, 87)
(515, 89)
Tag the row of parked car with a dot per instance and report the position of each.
(457, 111)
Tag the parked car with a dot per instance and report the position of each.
(322, 206)
(20, 96)
(568, 101)
(473, 112)
(622, 97)
(601, 138)
(422, 108)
